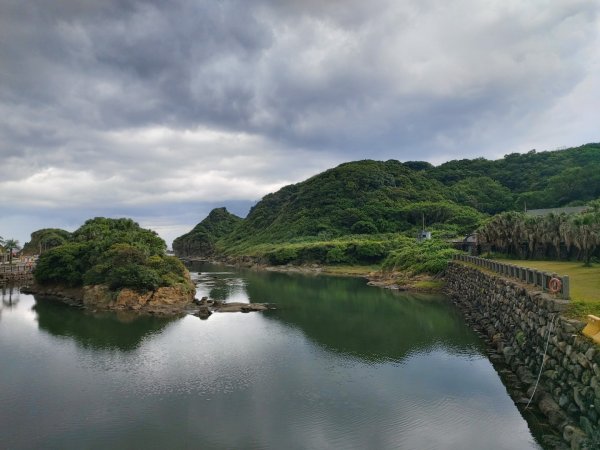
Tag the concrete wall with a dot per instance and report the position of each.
(518, 321)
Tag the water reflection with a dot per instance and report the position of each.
(108, 330)
(323, 371)
(221, 285)
(10, 296)
(345, 315)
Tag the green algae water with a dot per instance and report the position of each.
(339, 365)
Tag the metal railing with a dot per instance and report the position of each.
(16, 268)
(523, 274)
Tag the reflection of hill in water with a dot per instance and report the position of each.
(345, 315)
(223, 285)
(99, 331)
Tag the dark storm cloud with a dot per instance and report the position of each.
(138, 103)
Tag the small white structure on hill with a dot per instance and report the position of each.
(424, 235)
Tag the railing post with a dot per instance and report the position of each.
(544, 281)
(566, 288)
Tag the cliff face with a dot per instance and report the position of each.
(200, 241)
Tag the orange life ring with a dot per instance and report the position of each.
(554, 285)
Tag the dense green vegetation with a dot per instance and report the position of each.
(364, 197)
(420, 257)
(540, 179)
(202, 238)
(366, 211)
(116, 252)
(556, 236)
(352, 249)
(45, 239)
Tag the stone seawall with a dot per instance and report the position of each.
(518, 322)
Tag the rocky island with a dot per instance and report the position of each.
(114, 264)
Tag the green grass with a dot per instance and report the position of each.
(429, 285)
(584, 282)
(357, 270)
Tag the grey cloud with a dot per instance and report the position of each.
(287, 69)
(137, 102)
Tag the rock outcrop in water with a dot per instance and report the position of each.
(206, 307)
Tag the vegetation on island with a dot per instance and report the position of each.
(369, 212)
(115, 252)
(45, 239)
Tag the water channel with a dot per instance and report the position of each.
(339, 365)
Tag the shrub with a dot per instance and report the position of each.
(363, 227)
(370, 251)
(63, 264)
(133, 276)
(421, 257)
(282, 255)
(336, 254)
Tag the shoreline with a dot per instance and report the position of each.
(397, 280)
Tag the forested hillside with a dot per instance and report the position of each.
(202, 238)
(369, 201)
(540, 179)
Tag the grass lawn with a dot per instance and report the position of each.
(584, 281)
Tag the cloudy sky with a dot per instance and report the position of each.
(162, 110)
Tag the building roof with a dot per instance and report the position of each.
(565, 210)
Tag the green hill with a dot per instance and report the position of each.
(361, 208)
(202, 238)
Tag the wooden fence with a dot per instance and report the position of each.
(523, 274)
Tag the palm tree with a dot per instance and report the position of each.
(11, 244)
(586, 231)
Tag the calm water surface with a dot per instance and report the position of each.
(338, 366)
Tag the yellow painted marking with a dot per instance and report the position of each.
(592, 329)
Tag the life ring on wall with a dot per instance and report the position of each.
(554, 285)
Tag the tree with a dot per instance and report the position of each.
(10, 245)
(483, 194)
